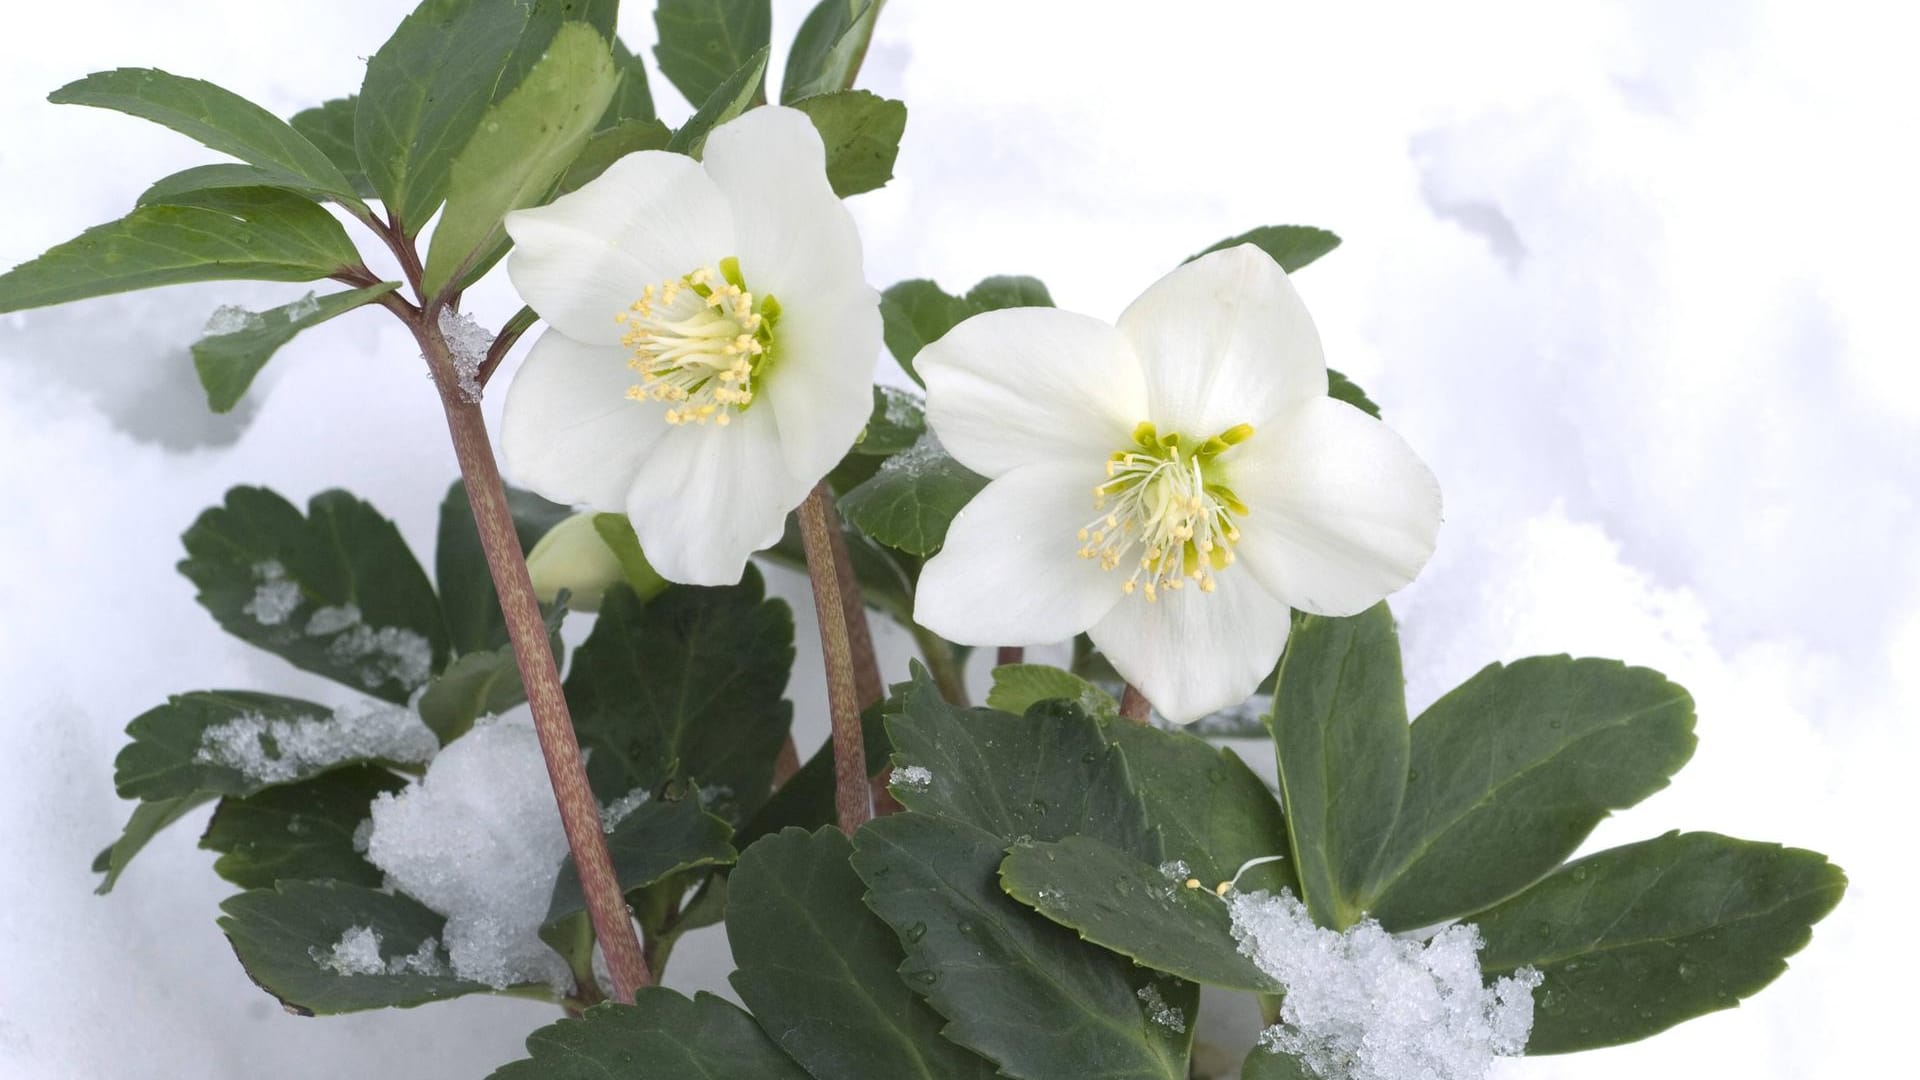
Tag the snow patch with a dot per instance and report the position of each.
(275, 598)
(228, 319)
(376, 654)
(1159, 1011)
(916, 777)
(274, 751)
(467, 344)
(622, 808)
(358, 953)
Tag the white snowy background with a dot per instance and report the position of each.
(1637, 279)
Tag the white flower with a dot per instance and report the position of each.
(711, 344)
(1170, 486)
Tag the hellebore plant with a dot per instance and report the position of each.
(1037, 888)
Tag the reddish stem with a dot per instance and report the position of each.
(852, 800)
(1134, 705)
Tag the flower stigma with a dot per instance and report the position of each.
(1163, 496)
(700, 342)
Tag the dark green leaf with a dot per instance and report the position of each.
(337, 593)
(1340, 728)
(228, 360)
(1019, 687)
(1008, 291)
(1263, 1064)
(633, 98)
(259, 235)
(917, 313)
(301, 831)
(1292, 246)
(728, 100)
(1512, 770)
(898, 420)
(805, 801)
(1344, 389)
(329, 127)
(1114, 900)
(610, 145)
(686, 686)
(703, 43)
(460, 564)
(480, 684)
(661, 1036)
(182, 188)
(1013, 986)
(220, 119)
(524, 142)
(828, 49)
(147, 821)
(658, 839)
(286, 936)
(817, 968)
(910, 501)
(862, 132)
(1636, 939)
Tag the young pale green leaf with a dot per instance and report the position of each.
(818, 969)
(915, 314)
(828, 49)
(633, 97)
(336, 592)
(299, 832)
(616, 530)
(1292, 246)
(477, 684)
(228, 361)
(146, 822)
(218, 118)
(1019, 687)
(728, 100)
(1510, 772)
(661, 1036)
(686, 686)
(1636, 939)
(1264, 1064)
(1344, 389)
(660, 838)
(285, 937)
(610, 145)
(460, 564)
(909, 502)
(861, 131)
(329, 127)
(1340, 730)
(704, 43)
(259, 234)
(1118, 902)
(523, 143)
(1014, 987)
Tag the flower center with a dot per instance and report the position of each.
(1163, 496)
(700, 343)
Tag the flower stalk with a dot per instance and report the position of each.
(852, 800)
(1134, 705)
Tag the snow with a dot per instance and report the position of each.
(377, 654)
(478, 839)
(913, 776)
(1159, 1011)
(617, 811)
(303, 307)
(229, 319)
(468, 343)
(358, 953)
(1176, 870)
(274, 750)
(926, 453)
(1365, 1005)
(274, 598)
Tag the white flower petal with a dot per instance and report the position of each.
(1020, 385)
(820, 383)
(796, 239)
(587, 255)
(1191, 652)
(1224, 340)
(1343, 512)
(569, 432)
(708, 497)
(1009, 573)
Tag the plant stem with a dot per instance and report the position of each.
(868, 689)
(579, 811)
(850, 795)
(1010, 654)
(1134, 705)
(949, 674)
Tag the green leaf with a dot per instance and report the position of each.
(329, 127)
(633, 97)
(1340, 729)
(521, 146)
(862, 132)
(460, 563)
(1341, 388)
(1020, 990)
(260, 234)
(1264, 1064)
(337, 592)
(686, 686)
(898, 420)
(164, 760)
(1636, 939)
(1114, 900)
(146, 822)
(616, 530)
(610, 145)
(183, 188)
(885, 583)
(828, 49)
(728, 100)
(483, 683)
(1019, 687)
(703, 43)
(661, 1036)
(1292, 246)
(219, 119)
(658, 839)
(1511, 771)
(911, 500)
(285, 937)
(301, 831)
(805, 801)
(428, 87)
(817, 968)
(227, 361)
(917, 313)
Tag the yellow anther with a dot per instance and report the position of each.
(1172, 518)
(1221, 889)
(1193, 883)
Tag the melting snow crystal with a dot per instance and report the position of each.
(1159, 1011)
(274, 751)
(467, 342)
(1364, 1005)
(913, 776)
(274, 598)
(358, 953)
(376, 654)
(622, 808)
